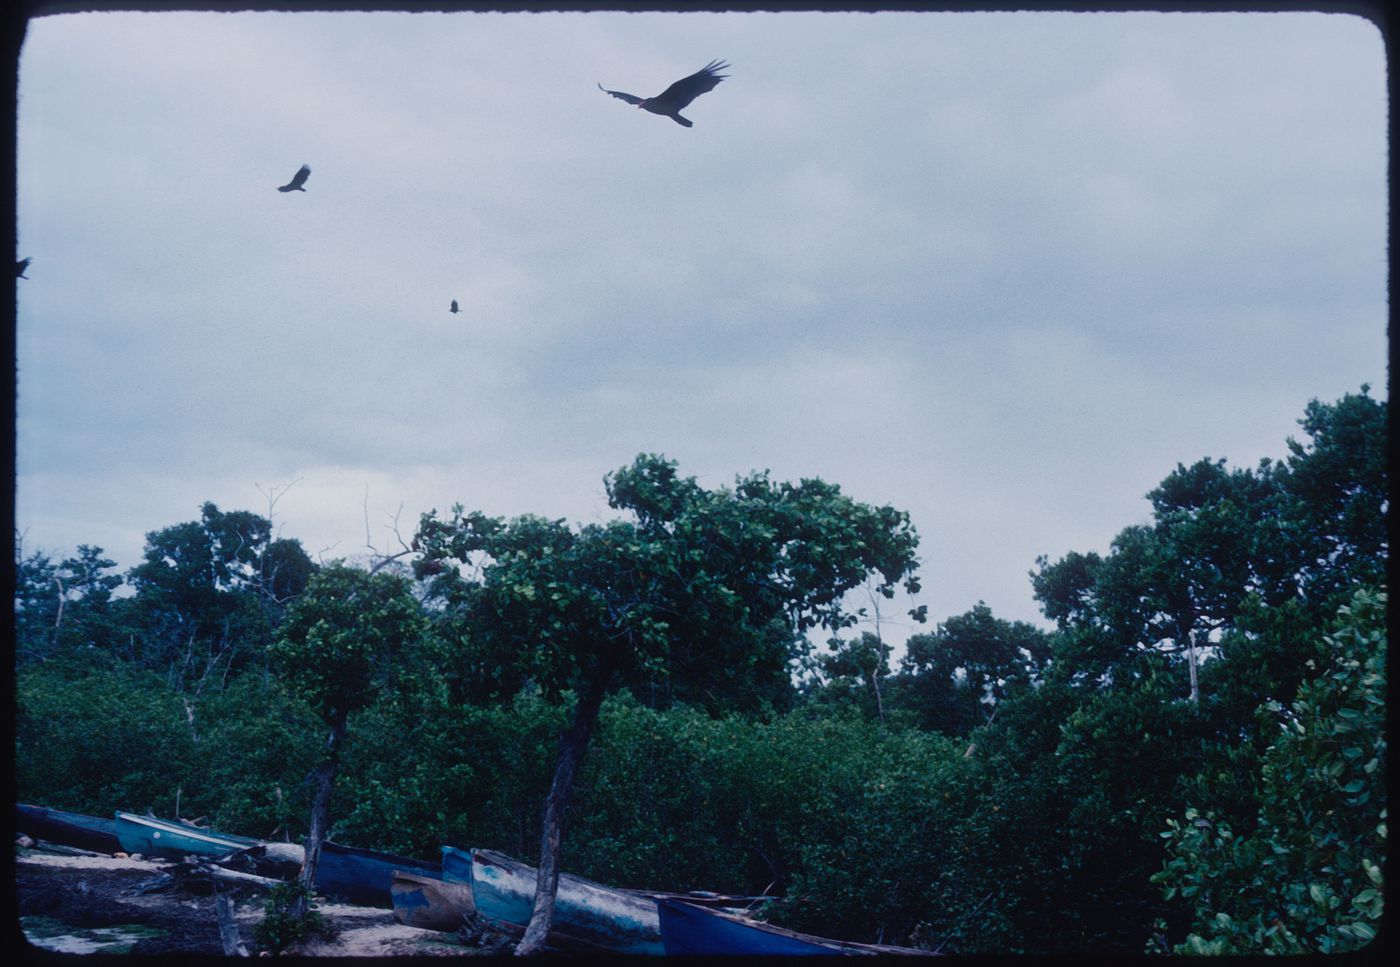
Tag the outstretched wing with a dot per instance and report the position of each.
(300, 177)
(621, 95)
(687, 89)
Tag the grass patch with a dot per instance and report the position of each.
(52, 934)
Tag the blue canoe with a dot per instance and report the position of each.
(587, 915)
(690, 930)
(171, 840)
(67, 829)
(430, 902)
(365, 876)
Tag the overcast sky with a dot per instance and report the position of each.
(1002, 271)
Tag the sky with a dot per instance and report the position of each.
(1003, 271)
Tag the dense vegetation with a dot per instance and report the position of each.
(1191, 759)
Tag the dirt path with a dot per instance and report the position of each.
(71, 904)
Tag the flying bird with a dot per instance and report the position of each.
(20, 266)
(671, 101)
(298, 180)
(454, 307)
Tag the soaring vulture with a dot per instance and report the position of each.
(454, 307)
(20, 266)
(298, 180)
(671, 101)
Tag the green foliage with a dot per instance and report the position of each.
(208, 596)
(645, 812)
(844, 817)
(336, 651)
(257, 742)
(281, 928)
(62, 610)
(100, 740)
(284, 569)
(1336, 490)
(952, 678)
(1223, 542)
(855, 673)
(874, 833)
(1055, 835)
(337, 640)
(1306, 876)
(1039, 831)
(418, 774)
(707, 593)
(1172, 585)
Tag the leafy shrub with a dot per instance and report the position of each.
(100, 740)
(256, 745)
(1307, 878)
(279, 929)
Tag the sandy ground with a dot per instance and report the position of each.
(73, 903)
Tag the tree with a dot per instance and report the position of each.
(1334, 502)
(62, 605)
(334, 649)
(210, 592)
(1234, 566)
(1306, 877)
(283, 569)
(954, 677)
(1061, 800)
(1223, 541)
(709, 592)
(1173, 585)
(853, 671)
(93, 739)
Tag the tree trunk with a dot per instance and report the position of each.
(879, 702)
(228, 927)
(1191, 667)
(324, 779)
(572, 745)
(58, 619)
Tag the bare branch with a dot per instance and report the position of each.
(398, 536)
(364, 506)
(378, 559)
(272, 495)
(387, 559)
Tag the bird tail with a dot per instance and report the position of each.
(681, 121)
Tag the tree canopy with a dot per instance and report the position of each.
(704, 594)
(1189, 754)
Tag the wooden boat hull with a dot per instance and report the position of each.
(586, 914)
(430, 903)
(690, 930)
(67, 829)
(364, 876)
(161, 837)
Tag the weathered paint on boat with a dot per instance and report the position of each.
(67, 829)
(456, 865)
(430, 903)
(689, 930)
(585, 913)
(161, 837)
(364, 876)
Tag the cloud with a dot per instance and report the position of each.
(1003, 271)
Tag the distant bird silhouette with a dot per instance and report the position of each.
(24, 264)
(454, 307)
(675, 98)
(298, 180)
